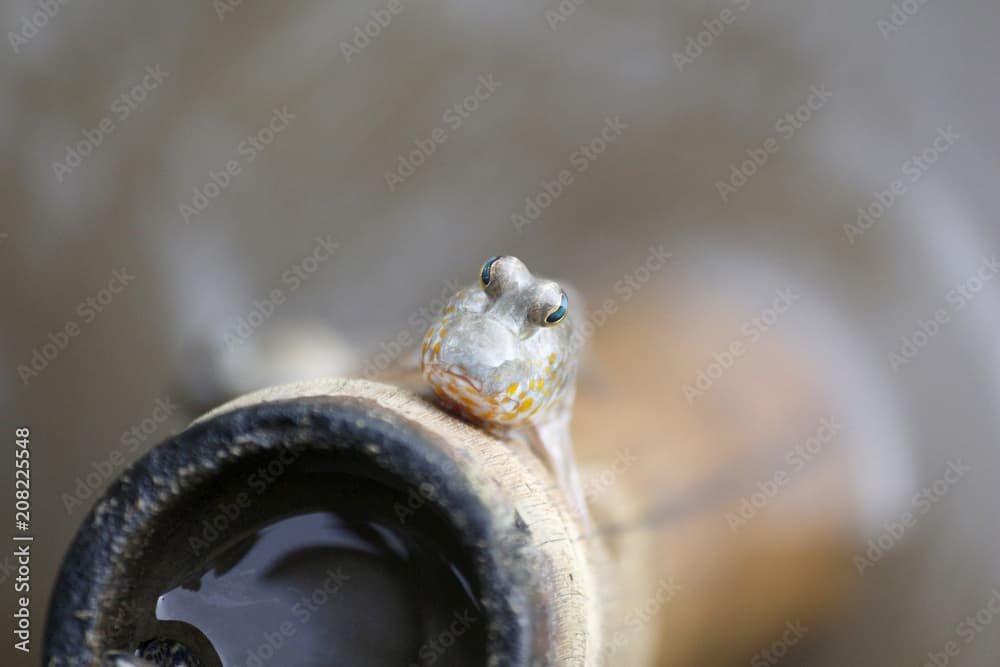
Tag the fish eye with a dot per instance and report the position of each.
(486, 274)
(558, 314)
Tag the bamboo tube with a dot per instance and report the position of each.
(539, 585)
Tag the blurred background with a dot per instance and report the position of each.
(791, 209)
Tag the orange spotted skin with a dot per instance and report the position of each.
(492, 355)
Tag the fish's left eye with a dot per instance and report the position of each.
(558, 314)
(486, 274)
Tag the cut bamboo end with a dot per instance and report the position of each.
(539, 583)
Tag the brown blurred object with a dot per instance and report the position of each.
(669, 477)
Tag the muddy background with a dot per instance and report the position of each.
(213, 154)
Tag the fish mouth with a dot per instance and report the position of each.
(457, 372)
(503, 403)
(454, 384)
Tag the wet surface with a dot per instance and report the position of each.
(351, 586)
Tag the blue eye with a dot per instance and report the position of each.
(559, 314)
(486, 275)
